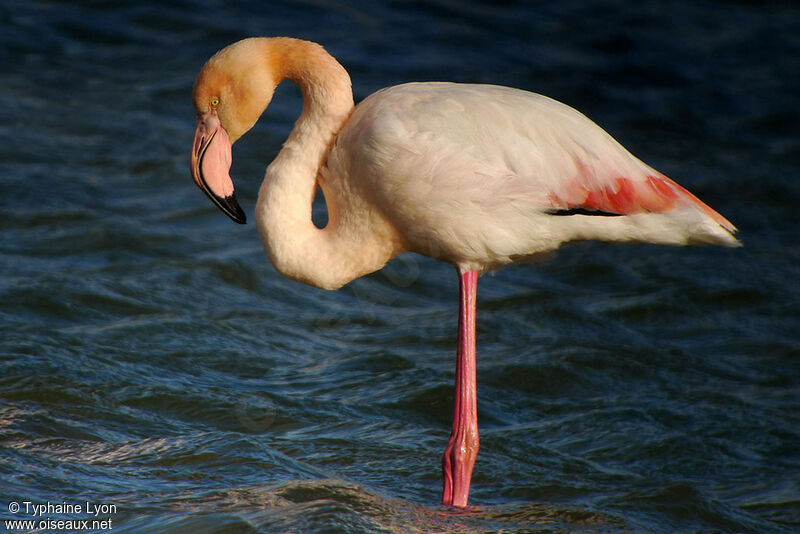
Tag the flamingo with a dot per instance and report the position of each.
(479, 176)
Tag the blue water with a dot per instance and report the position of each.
(152, 359)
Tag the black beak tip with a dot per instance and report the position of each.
(232, 209)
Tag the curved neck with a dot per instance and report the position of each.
(296, 247)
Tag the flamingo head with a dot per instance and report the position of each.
(230, 94)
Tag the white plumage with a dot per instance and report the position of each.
(468, 173)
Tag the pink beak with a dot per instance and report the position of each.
(211, 164)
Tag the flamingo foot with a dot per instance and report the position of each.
(457, 463)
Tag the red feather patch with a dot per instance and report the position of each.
(620, 195)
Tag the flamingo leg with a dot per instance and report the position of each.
(462, 449)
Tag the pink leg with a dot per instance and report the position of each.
(462, 449)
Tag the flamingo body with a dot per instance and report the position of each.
(476, 175)
(479, 176)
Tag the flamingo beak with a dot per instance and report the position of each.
(211, 164)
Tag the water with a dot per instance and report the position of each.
(152, 359)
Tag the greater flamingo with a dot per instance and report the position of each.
(479, 176)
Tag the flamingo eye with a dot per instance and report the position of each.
(214, 101)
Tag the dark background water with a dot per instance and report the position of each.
(151, 358)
